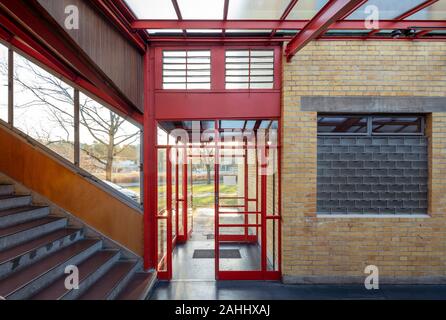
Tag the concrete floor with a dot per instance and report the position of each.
(263, 290)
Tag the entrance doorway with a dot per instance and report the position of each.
(218, 199)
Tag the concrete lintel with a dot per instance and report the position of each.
(373, 104)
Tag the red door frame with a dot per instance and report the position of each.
(260, 104)
(263, 273)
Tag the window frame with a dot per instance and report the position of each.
(186, 57)
(250, 56)
(370, 117)
(72, 165)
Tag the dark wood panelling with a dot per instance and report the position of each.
(105, 45)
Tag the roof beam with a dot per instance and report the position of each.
(408, 13)
(179, 15)
(353, 9)
(329, 14)
(225, 13)
(285, 13)
(278, 24)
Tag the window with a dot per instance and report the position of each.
(110, 147)
(187, 69)
(372, 164)
(3, 83)
(44, 107)
(249, 69)
(44, 110)
(370, 125)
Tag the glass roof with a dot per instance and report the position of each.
(388, 9)
(306, 9)
(256, 9)
(273, 10)
(437, 11)
(152, 9)
(201, 9)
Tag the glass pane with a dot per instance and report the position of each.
(387, 9)
(397, 125)
(341, 124)
(152, 9)
(161, 176)
(110, 147)
(174, 191)
(272, 248)
(162, 244)
(165, 31)
(257, 9)
(437, 11)
(44, 107)
(201, 9)
(3, 83)
(189, 198)
(306, 9)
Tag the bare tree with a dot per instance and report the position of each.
(105, 126)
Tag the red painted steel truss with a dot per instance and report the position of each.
(331, 17)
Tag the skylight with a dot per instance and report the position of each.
(152, 9)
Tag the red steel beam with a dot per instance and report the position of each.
(285, 14)
(119, 21)
(422, 33)
(278, 24)
(122, 7)
(179, 15)
(408, 13)
(225, 13)
(329, 14)
(353, 9)
(59, 51)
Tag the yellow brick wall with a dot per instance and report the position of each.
(325, 250)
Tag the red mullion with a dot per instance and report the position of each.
(216, 201)
(263, 215)
(177, 193)
(279, 192)
(238, 238)
(238, 225)
(150, 172)
(185, 195)
(169, 213)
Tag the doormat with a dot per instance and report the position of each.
(209, 254)
(210, 236)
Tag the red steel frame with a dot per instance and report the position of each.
(330, 17)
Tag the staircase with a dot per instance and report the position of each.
(35, 248)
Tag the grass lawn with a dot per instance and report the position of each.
(204, 194)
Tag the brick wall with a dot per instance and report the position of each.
(372, 175)
(336, 249)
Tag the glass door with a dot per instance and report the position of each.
(238, 222)
(164, 214)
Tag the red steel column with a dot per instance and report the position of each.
(150, 162)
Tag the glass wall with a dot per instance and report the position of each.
(110, 147)
(44, 109)
(3, 83)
